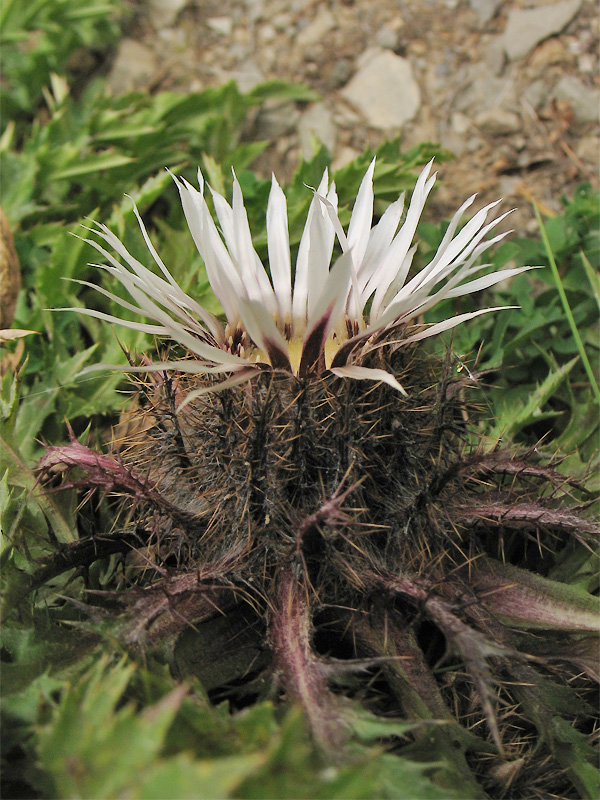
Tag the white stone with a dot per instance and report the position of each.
(384, 90)
(316, 123)
(316, 30)
(220, 25)
(584, 100)
(249, 76)
(133, 67)
(344, 156)
(387, 38)
(459, 123)
(498, 122)
(163, 13)
(486, 9)
(276, 119)
(526, 28)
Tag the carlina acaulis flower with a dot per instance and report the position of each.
(299, 493)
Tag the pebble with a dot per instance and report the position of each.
(459, 123)
(480, 89)
(552, 51)
(487, 79)
(582, 99)
(134, 65)
(275, 119)
(340, 74)
(587, 149)
(586, 63)
(386, 38)
(164, 13)
(344, 156)
(316, 30)
(384, 90)
(249, 76)
(486, 9)
(220, 25)
(536, 94)
(498, 122)
(316, 123)
(495, 57)
(526, 28)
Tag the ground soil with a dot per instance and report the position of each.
(520, 128)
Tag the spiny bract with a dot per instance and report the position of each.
(318, 518)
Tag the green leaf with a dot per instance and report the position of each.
(370, 728)
(278, 89)
(183, 777)
(94, 749)
(512, 418)
(92, 165)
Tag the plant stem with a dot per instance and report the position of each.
(303, 677)
(566, 306)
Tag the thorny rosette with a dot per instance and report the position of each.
(335, 539)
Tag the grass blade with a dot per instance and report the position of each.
(565, 303)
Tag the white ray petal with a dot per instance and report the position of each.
(368, 374)
(332, 298)
(361, 220)
(157, 330)
(447, 324)
(278, 243)
(263, 331)
(319, 257)
(380, 240)
(383, 277)
(235, 380)
(486, 281)
(158, 260)
(189, 366)
(222, 274)
(225, 217)
(301, 280)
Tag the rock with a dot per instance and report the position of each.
(386, 38)
(344, 156)
(498, 122)
(586, 63)
(459, 123)
(479, 89)
(536, 94)
(461, 137)
(255, 9)
(163, 13)
(526, 28)
(550, 52)
(582, 99)
(133, 67)
(248, 77)
(495, 57)
(317, 29)
(275, 119)
(221, 25)
(316, 123)
(384, 90)
(485, 9)
(340, 74)
(587, 149)
(267, 33)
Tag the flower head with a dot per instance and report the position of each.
(317, 316)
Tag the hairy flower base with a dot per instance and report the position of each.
(339, 539)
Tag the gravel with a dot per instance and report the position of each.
(510, 87)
